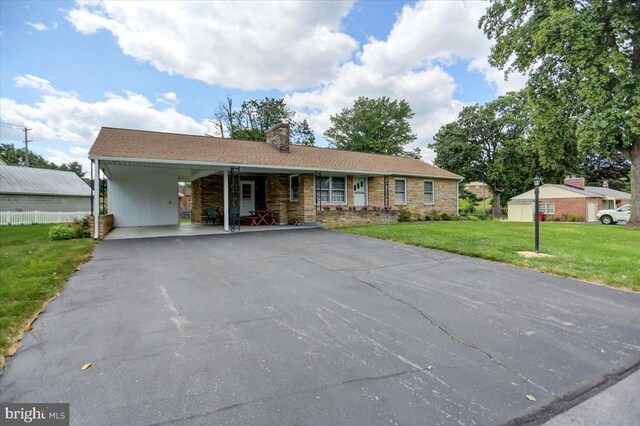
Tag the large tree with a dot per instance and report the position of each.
(379, 126)
(614, 168)
(583, 63)
(488, 143)
(252, 120)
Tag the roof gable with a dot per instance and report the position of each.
(557, 191)
(140, 144)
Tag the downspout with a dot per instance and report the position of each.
(96, 200)
(457, 198)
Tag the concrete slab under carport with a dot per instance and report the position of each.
(186, 230)
(315, 327)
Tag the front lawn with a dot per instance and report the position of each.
(33, 269)
(597, 253)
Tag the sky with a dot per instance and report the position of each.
(68, 68)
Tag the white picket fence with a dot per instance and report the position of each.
(30, 218)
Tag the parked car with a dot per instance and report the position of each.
(609, 217)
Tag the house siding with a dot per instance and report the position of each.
(44, 203)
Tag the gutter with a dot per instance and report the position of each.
(267, 167)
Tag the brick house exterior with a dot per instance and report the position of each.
(298, 184)
(274, 195)
(572, 197)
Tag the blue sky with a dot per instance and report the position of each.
(68, 68)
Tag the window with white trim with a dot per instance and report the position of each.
(332, 189)
(400, 191)
(429, 192)
(294, 187)
(547, 208)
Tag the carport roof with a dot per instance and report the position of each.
(128, 144)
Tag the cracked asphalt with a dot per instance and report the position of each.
(316, 327)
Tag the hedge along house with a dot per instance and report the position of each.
(300, 184)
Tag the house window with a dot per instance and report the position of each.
(294, 187)
(608, 205)
(338, 190)
(548, 208)
(429, 194)
(333, 190)
(400, 191)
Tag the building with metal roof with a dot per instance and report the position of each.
(31, 189)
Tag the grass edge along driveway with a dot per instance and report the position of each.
(33, 270)
(596, 253)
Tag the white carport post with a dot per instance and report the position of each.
(96, 199)
(225, 184)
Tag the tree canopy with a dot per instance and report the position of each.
(583, 63)
(17, 157)
(254, 117)
(488, 143)
(379, 126)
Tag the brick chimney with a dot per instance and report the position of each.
(605, 183)
(278, 137)
(576, 182)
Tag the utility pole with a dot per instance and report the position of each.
(26, 145)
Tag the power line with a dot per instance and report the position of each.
(10, 124)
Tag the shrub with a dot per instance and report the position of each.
(417, 216)
(473, 218)
(574, 217)
(434, 215)
(81, 227)
(62, 232)
(404, 215)
(445, 216)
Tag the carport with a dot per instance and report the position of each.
(143, 193)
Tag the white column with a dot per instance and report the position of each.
(225, 184)
(96, 199)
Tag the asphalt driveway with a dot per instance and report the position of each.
(315, 327)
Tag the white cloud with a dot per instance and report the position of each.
(407, 65)
(41, 26)
(62, 116)
(247, 45)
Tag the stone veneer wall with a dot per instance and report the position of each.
(278, 196)
(105, 225)
(206, 192)
(332, 218)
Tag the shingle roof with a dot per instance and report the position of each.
(27, 180)
(576, 190)
(608, 192)
(140, 144)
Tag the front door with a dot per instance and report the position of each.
(359, 191)
(592, 210)
(247, 197)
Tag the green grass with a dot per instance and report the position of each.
(596, 253)
(33, 269)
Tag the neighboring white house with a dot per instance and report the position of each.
(30, 189)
